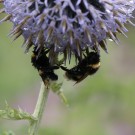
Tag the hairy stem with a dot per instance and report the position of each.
(39, 109)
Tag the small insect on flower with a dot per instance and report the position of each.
(88, 66)
(41, 62)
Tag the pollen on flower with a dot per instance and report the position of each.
(68, 27)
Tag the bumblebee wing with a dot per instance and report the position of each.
(82, 78)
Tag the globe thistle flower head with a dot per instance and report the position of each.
(68, 26)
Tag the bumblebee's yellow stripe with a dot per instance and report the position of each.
(95, 65)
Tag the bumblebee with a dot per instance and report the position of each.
(41, 62)
(87, 66)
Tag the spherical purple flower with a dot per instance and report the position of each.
(68, 26)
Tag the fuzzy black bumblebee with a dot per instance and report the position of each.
(41, 62)
(87, 66)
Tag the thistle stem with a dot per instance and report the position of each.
(39, 109)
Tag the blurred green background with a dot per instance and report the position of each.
(103, 104)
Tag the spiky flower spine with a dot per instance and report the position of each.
(68, 26)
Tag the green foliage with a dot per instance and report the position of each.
(57, 88)
(15, 114)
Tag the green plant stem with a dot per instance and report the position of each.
(39, 109)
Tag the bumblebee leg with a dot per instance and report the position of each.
(64, 68)
(55, 67)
